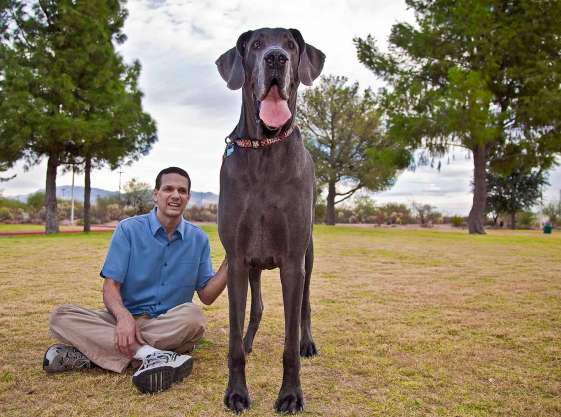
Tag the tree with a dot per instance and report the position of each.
(553, 212)
(518, 190)
(341, 129)
(59, 86)
(426, 213)
(117, 130)
(473, 73)
(138, 196)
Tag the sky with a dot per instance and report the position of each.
(177, 43)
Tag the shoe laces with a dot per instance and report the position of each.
(157, 358)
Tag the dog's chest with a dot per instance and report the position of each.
(265, 205)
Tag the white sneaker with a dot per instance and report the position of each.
(161, 369)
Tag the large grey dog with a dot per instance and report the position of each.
(266, 201)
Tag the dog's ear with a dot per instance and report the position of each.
(311, 59)
(230, 64)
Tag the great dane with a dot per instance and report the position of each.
(266, 201)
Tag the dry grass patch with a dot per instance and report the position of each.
(408, 323)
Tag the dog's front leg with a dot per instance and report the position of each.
(291, 399)
(236, 397)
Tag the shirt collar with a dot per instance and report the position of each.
(155, 224)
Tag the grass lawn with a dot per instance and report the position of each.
(32, 227)
(20, 227)
(408, 323)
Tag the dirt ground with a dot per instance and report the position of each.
(407, 322)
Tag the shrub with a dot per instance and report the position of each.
(457, 221)
(526, 219)
(553, 212)
(207, 213)
(5, 215)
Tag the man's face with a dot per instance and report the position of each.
(172, 197)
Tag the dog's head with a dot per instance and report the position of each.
(270, 64)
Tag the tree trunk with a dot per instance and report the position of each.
(477, 212)
(513, 220)
(87, 194)
(330, 208)
(51, 225)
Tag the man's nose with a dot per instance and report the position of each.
(276, 59)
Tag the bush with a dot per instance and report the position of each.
(5, 215)
(457, 221)
(202, 213)
(553, 212)
(13, 215)
(319, 213)
(426, 214)
(11, 203)
(526, 220)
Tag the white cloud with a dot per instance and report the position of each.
(177, 43)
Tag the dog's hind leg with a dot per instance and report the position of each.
(256, 309)
(307, 345)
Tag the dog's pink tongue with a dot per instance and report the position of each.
(274, 109)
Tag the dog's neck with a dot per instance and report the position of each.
(251, 127)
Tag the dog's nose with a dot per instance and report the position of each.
(276, 59)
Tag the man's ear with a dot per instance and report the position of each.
(230, 64)
(311, 59)
(154, 197)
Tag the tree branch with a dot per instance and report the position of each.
(358, 187)
(349, 196)
(21, 31)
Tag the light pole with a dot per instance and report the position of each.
(120, 172)
(72, 198)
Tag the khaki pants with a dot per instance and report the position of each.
(92, 332)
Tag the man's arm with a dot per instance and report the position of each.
(127, 335)
(215, 285)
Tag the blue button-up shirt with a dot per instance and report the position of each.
(156, 273)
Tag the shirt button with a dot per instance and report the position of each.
(163, 283)
(165, 264)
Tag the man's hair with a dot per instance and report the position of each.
(173, 170)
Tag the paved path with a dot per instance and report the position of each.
(96, 228)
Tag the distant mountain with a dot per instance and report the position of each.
(203, 198)
(65, 192)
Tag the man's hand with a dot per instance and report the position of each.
(127, 336)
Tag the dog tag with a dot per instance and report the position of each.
(229, 150)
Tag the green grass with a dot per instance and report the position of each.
(20, 227)
(408, 323)
(32, 227)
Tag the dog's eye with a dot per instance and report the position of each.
(257, 44)
(291, 45)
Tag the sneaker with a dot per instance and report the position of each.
(161, 369)
(60, 358)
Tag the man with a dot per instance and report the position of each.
(155, 263)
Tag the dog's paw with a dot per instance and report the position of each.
(290, 401)
(308, 349)
(237, 399)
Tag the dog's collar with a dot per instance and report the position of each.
(261, 143)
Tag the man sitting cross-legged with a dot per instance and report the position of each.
(154, 265)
